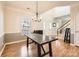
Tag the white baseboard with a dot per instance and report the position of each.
(2, 50)
(3, 45)
(72, 44)
(9, 44)
(15, 42)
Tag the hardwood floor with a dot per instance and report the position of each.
(60, 49)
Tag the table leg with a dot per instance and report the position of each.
(50, 49)
(27, 42)
(39, 50)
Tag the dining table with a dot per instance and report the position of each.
(40, 40)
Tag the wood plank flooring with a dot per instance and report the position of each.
(60, 49)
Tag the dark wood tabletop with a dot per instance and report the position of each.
(41, 39)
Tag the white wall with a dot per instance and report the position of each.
(75, 23)
(1, 20)
(48, 17)
(1, 25)
(13, 17)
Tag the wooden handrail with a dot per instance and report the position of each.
(66, 26)
(63, 25)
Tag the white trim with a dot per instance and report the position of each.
(15, 42)
(1, 34)
(2, 50)
(9, 44)
(72, 44)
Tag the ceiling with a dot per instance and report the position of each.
(42, 5)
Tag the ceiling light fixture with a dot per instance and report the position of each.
(36, 18)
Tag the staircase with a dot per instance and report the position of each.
(61, 29)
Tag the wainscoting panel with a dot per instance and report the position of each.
(12, 37)
(72, 38)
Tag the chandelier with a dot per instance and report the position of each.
(36, 17)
